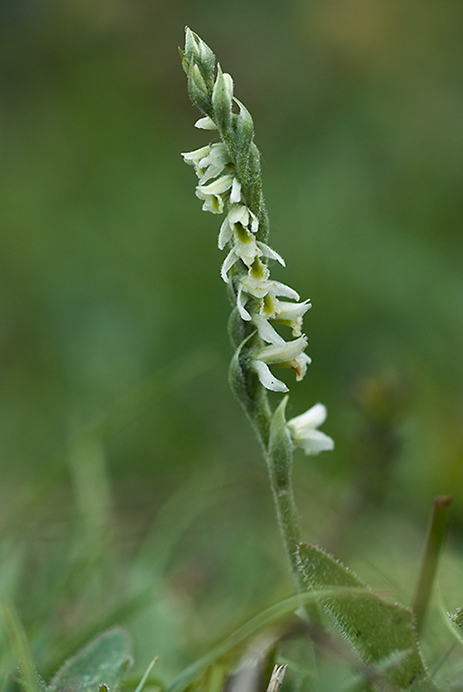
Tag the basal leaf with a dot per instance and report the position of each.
(381, 632)
(102, 662)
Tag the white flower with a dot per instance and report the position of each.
(271, 308)
(194, 157)
(304, 433)
(213, 163)
(286, 313)
(238, 213)
(286, 354)
(247, 249)
(209, 162)
(245, 244)
(213, 193)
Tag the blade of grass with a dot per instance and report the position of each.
(437, 530)
(20, 646)
(263, 619)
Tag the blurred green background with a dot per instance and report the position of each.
(127, 466)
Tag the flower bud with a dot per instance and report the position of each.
(197, 88)
(280, 447)
(244, 127)
(222, 95)
(198, 52)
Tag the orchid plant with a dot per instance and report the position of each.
(266, 332)
(230, 184)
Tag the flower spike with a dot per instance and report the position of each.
(229, 183)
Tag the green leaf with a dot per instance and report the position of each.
(380, 631)
(101, 662)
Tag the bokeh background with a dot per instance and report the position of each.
(131, 487)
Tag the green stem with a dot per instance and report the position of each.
(276, 445)
(437, 530)
(287, 515)
(278, 454)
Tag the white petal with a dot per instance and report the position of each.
(256, 287)
(218, 187)
(212, 203)
(217, 154)
(241, 301)
(229, 261)
(300, 366)
(291, 311)
(316, 442)
(271, 254)
(239, 214)
(193, 157)
(267, 379)
(284, 352)
(266, 331)
(205, 124)
(246, 249)
(226, 232)
(235, 195)
(254, 223)
(279, 289)
(214, 163)
(312, 418)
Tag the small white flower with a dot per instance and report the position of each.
(287, 354)
(289, 314)
(283, 352)
(213, 163)
(209, 162)
(245, 244)
(194, 157)
(304, 433)
(261, 286)
(238, 213)
(213, 193)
